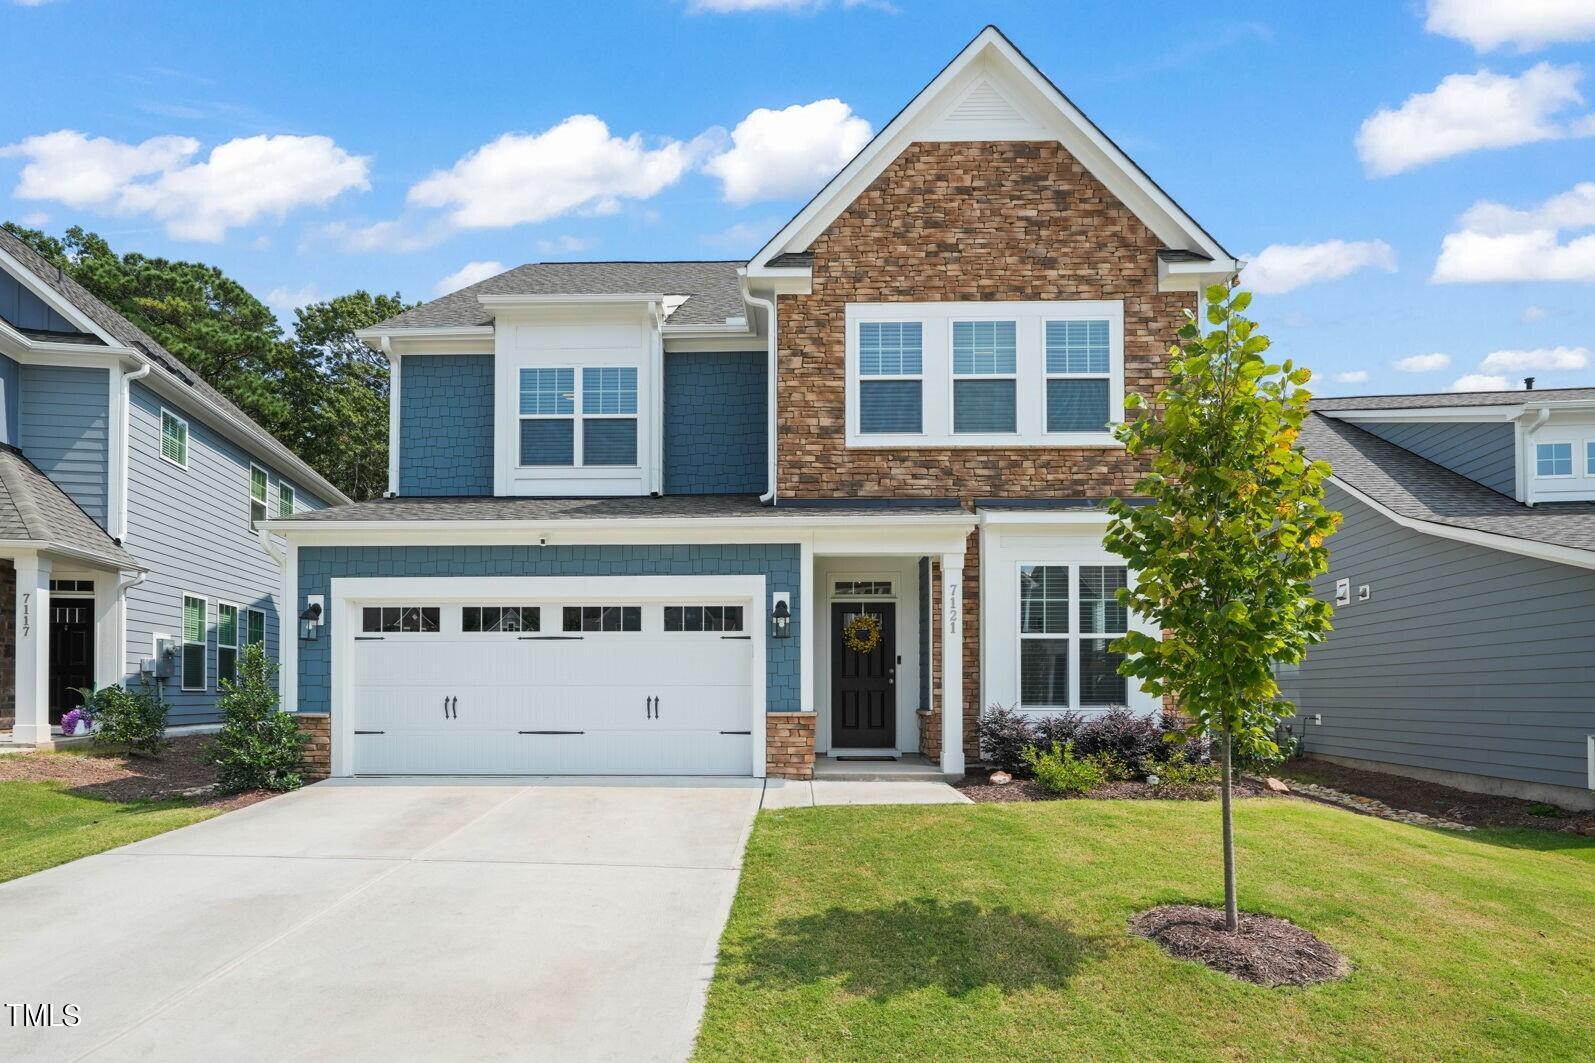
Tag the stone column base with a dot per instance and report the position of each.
(789, 745)
(318, 751)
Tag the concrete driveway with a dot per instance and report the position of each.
(450, 920)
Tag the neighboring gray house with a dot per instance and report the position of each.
(1463, 578)
(129, 495)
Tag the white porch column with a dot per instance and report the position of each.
(952, 665)
(33, 650)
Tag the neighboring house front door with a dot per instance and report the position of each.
(863, 683)
(71, 653)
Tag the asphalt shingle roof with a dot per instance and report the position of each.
(713, 289)
(1444, 399)
(1417, 488)
(33, 508)
(665, 507)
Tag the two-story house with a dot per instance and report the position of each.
(131, 494)
(724, 517)
(1463, 582)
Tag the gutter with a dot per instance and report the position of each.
(768, 498)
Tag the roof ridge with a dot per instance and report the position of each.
(1438, 394)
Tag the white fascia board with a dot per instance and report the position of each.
(1565, 555)
(512, 302)
(1104, 159)
(48, 546)
(1434, 414)
(1047, 518)
(759, 526)
(1191, 276)
(441, 331)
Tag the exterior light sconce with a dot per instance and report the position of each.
(781, 618)
(310, 620)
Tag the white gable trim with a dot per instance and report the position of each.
(990, 91)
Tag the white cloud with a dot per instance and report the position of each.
(291, 299)
(32, 3)
(563, 245)
(35, 219)
(744, 236)
(1422, 363)
(1541, 358)
(1355, 376)
(1286, 267)
(791, 152)
(467, 275)
(522, 178)
(1469, 112)
(1532, 314)
(240, 182)
(1524, 24)
(1481, 382)
(1501, 243)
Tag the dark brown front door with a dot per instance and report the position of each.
(71, 653)
(863, 685)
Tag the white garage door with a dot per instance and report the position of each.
(542, 688)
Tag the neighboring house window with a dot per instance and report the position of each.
(1077, 368)
(194, 640)
(254, 627)
(609, 415)
(1553, 459)
(285, 500)
(890, 368)
(548, 416)
(226, 644)
(1064, 664)
(174, 439)
(257, 495)
(602, 618)
(985, 372)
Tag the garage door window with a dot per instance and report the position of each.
(386, 618)
(490, 618)
(603, 618)
(703, 618)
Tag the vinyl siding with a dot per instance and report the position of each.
(191, 527)
(63, 421)
(446, 424)
(715, 422)
(10, 401)
(1486, 453)
(1464, 659)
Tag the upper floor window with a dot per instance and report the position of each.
(984, 374)
(563, 426)
(174, 439)
(285, 500)
(1589, 458)
(1553, 459)
(257, 495)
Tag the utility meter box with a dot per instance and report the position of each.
(164, 663)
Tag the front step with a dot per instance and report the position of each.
(906, 769)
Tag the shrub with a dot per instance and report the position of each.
(1004, 737)
(1134, 740)
(259, 747)
(1178, 771)
(134, 719)
(1055, 730)
(1059, 771)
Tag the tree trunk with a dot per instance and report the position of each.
(1231, 914)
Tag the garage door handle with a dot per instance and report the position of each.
(456, 701)
(648, 708)
(445, 706)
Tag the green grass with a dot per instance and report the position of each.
(998, 932)
(42, 824)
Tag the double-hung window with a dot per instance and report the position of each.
(254, 627)
(257, 495)
(891, 364)
(551, 407)
(985, 376)
(227, 632)
(285, 500)
(174, 439)
(1069, 616)
(194, 640)
(1078, 372)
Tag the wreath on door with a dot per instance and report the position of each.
(863, 633)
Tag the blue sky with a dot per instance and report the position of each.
(389, 146)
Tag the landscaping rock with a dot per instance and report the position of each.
(1372, 807)
(1262, 949)
(1001, 778)
(1276, 786)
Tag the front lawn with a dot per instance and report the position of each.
(999, 932)
(44, 823)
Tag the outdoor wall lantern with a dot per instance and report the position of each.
(310, 622)
(781, 618)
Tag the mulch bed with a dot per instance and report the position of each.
(1432, 799)
(976, 788)
(118, 777)
(1263, 949)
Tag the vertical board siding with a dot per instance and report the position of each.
(1486, 453)
(191, 527)
(27, 311)
(10, 401)
(1463, 659)
(716, 422)
(778, 562)
(64, 426)
(446, 424)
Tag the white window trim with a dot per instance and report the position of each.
(853, 333)
(1115, 384)
(236, 646)
(1030, 364)
(1572, 459)
(243, 632)
(577, 417)
(204, 635)
(264, 500)
(161, 439)
(954, 377)
(286, 497)
(1074, 636)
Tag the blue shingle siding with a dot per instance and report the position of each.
(715, 423)
(778, 562)
(10, 401)
(1486, 453)
(1463, 658)
(446, 424)
(191, 527)
(63, 421)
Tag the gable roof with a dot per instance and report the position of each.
(1450, 399)
(169, 365)
(1418, 489)
(992, 91)
(34, 509)
(712, 289)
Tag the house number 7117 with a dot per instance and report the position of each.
(27, 614)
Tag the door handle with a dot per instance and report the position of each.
(648, 708)
(445, 706)
(456, 700)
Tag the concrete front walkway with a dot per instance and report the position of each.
(794, 793)
(384, 920)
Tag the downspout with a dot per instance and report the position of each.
(768, 498)
(127, 430)
(1528, 454)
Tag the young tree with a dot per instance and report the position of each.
(1226, 551)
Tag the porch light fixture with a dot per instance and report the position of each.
(310, 623)
(781, 619)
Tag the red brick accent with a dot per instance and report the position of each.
(318, 752)
(789, 745)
